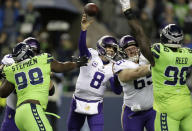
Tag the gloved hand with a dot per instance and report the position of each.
(81, 61)
(7, 60)
(126, 5)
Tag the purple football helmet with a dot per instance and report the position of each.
(34, 43)
(125, 42)
(21, 52)
(107, 41)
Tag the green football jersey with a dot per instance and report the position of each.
(31, 78)
(169, 78)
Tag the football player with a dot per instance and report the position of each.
(8, 123)
(169, 62)
(87, 101)
(30, 76)
(135, 78)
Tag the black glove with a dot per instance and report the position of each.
(81, 61)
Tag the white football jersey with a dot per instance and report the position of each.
(92, 80)
(12, 98)
(136, 92)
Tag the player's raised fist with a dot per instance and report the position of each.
(91, 9)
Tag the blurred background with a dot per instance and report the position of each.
(56, 24)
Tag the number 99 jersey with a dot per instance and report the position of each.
(92, 80)
(169, 78)
(136, 92)
(31, 78)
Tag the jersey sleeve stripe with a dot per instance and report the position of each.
(157, 48)
(155, 54)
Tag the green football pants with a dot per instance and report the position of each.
(174, 121)
(31, 117)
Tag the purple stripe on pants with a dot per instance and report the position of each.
(9, 122)
(76, 120)
(136, 121)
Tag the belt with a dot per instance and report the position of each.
(36, 102)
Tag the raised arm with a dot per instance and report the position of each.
(85, 23)
(138, 32)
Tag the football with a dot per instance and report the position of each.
(91, 9)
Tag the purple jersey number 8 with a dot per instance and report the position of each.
(97, 79)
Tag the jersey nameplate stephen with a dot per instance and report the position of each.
(25, 64)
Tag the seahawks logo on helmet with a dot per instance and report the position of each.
(171, 36)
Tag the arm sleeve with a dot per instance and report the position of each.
(115, 85)
(83, 50)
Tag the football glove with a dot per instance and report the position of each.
(7, 60)
(81, 61)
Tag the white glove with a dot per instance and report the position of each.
(125, 4)
(7, 60)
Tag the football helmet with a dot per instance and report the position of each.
(171, 36)
(21, 52)
(132, 54)
(34, 44)
(103, 43)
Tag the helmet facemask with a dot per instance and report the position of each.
(133, 53)
(129, 48)
(111, 51)
(21, 52)
(107, 47)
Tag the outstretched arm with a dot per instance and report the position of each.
(142, 40)
(60, 67)
(83, 50)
